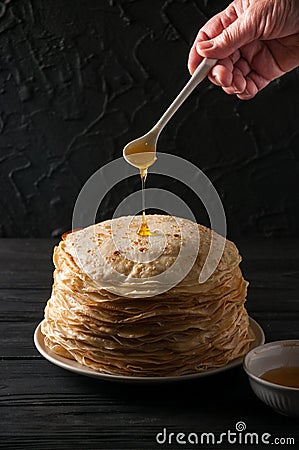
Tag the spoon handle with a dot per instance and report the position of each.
(200, 73)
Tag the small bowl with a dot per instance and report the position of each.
(259, 360)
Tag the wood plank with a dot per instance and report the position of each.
(40, 250)
(26, 304)
(112, 414)
(278, 327)
(255, 249)
(272, 295)
(19, 305)
(30, 279)
(46, 407)
(16, 338)
(26, 263)
(25, 249)
(53, 385)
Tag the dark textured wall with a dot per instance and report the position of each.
(79, 79)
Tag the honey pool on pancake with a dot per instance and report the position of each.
(142, 158)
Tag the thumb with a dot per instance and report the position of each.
(240, 32)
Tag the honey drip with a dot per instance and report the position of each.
(142, 157)
(144, 228)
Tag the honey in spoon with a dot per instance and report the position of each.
(142, 158)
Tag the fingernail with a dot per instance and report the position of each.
(205, 45)
(237, 91)
(217, 79)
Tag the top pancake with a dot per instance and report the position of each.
(181, 257)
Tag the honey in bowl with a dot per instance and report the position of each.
(285, 376)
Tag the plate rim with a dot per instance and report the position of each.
(75, 367)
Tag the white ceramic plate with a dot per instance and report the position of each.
(74, 366)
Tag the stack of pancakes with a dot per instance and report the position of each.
(129, 305)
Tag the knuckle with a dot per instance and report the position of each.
(226, 37)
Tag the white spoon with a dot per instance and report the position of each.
(141, 152)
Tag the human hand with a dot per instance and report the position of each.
(255, 41)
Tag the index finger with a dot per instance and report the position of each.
(194, 58)
(211, 29)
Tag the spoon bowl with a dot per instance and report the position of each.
(141, 152)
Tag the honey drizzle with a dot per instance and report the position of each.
(144, 228)
(142, 158)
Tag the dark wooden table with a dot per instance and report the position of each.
(45, 407)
